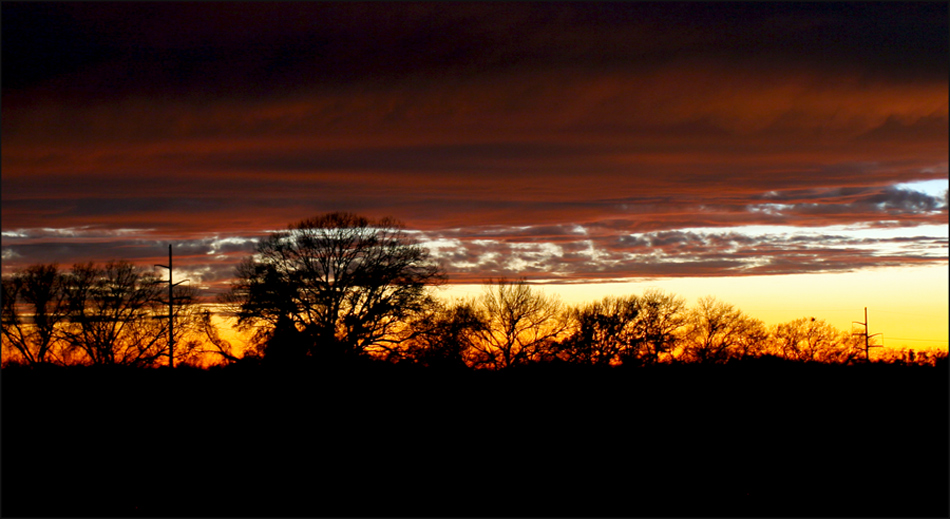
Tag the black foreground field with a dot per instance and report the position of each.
(759, 439)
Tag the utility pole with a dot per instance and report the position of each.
(867, 338)
(171, 314)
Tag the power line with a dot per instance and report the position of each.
(840, 309)
(911, 313)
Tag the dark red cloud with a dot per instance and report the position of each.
(512, 123)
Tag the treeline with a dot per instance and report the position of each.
(111, 314)
(514, 324)
(342, 286)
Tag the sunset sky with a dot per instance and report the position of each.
(791, 159)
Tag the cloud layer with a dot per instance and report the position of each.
(570, 141)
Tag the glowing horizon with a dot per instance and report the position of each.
(725, 149)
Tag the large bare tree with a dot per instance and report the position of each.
(337, 283)
(660, 319)
(719, 332)
(520, 325)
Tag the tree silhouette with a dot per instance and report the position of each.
(34, 308)
(520, 325)
(215, 345)
(719, 332)
(335, 284)
(117, 315)
(813, 340)
(603, 331)
(661, 317)
(445, 335)
(629, 329)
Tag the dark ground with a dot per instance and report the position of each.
(760, 439)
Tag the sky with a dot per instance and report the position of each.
(789, 158)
